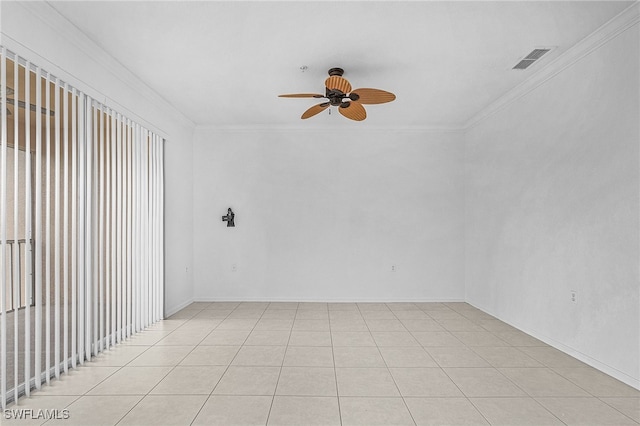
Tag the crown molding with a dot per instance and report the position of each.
(608, 31)
(50, 17)
(332, 128)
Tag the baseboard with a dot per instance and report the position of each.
(170, 311)
(605, 368)
(280, 299)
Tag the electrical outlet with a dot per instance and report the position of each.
(234, 267)
(574, 297)
(394, 268)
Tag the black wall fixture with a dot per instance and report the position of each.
(229, 218)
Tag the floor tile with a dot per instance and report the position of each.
(223, 305)
(483, 382)
(310, 338)
(358, 356)
(199, 305)
(77, 381)
(283, 314)
(518, 338)
(352, 338)
(211, 355)
(372, 306)
(146, 338)
(260, 356)
(401, 306)
(342, 306)
(226, 337)
(385, 325)
(424, 382)
(245, 314)
(131, 381)
(627, 406)
(551, 357)
(365, 382)
(345, 315)
(236, 363)
(478, 338)
(55, 403)
(307, 381)
(268, 338)
(161, 355)
(98, 410)
(190, 380)
(374, 412)
(432, 306)
(308, 356)
(213, 313)
(446, 315)
(436, 338)
(349, 325)
(597, 383)
(585, 411)
(407, 357)
(248, 381)
(117, 356)
(283, 305)
(542, 382)
(274, 324)
(444, 411)
(180, 337)
(514, 412)
(222, 410)
(450, 324)
(394, 338)
(385, 315)
(414, 315)
(456, 357)
(237, 324)
(311, 325)
(312, 314)
(164, 410)
(308, 411)
(421, 325)
(165, 325)
(506, 356)
(312, 306)
(184, 314)
(495, 325)
(253, 305)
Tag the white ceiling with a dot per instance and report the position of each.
(224, 63)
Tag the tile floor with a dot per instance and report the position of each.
(345, 364)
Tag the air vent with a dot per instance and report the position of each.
(530, 59)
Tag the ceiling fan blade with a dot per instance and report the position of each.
(302, 95)
(373, 96)
(336, 82)
(353, 111)
(316, 109)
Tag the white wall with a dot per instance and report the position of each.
(35, 31)
(325, 215)
(552, 205)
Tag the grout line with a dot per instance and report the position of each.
(230, 362)
(335, 372)
(387, 367)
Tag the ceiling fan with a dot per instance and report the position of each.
(339, 93)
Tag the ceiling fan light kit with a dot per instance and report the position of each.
(339, 93)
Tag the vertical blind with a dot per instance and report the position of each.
(81, 227)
